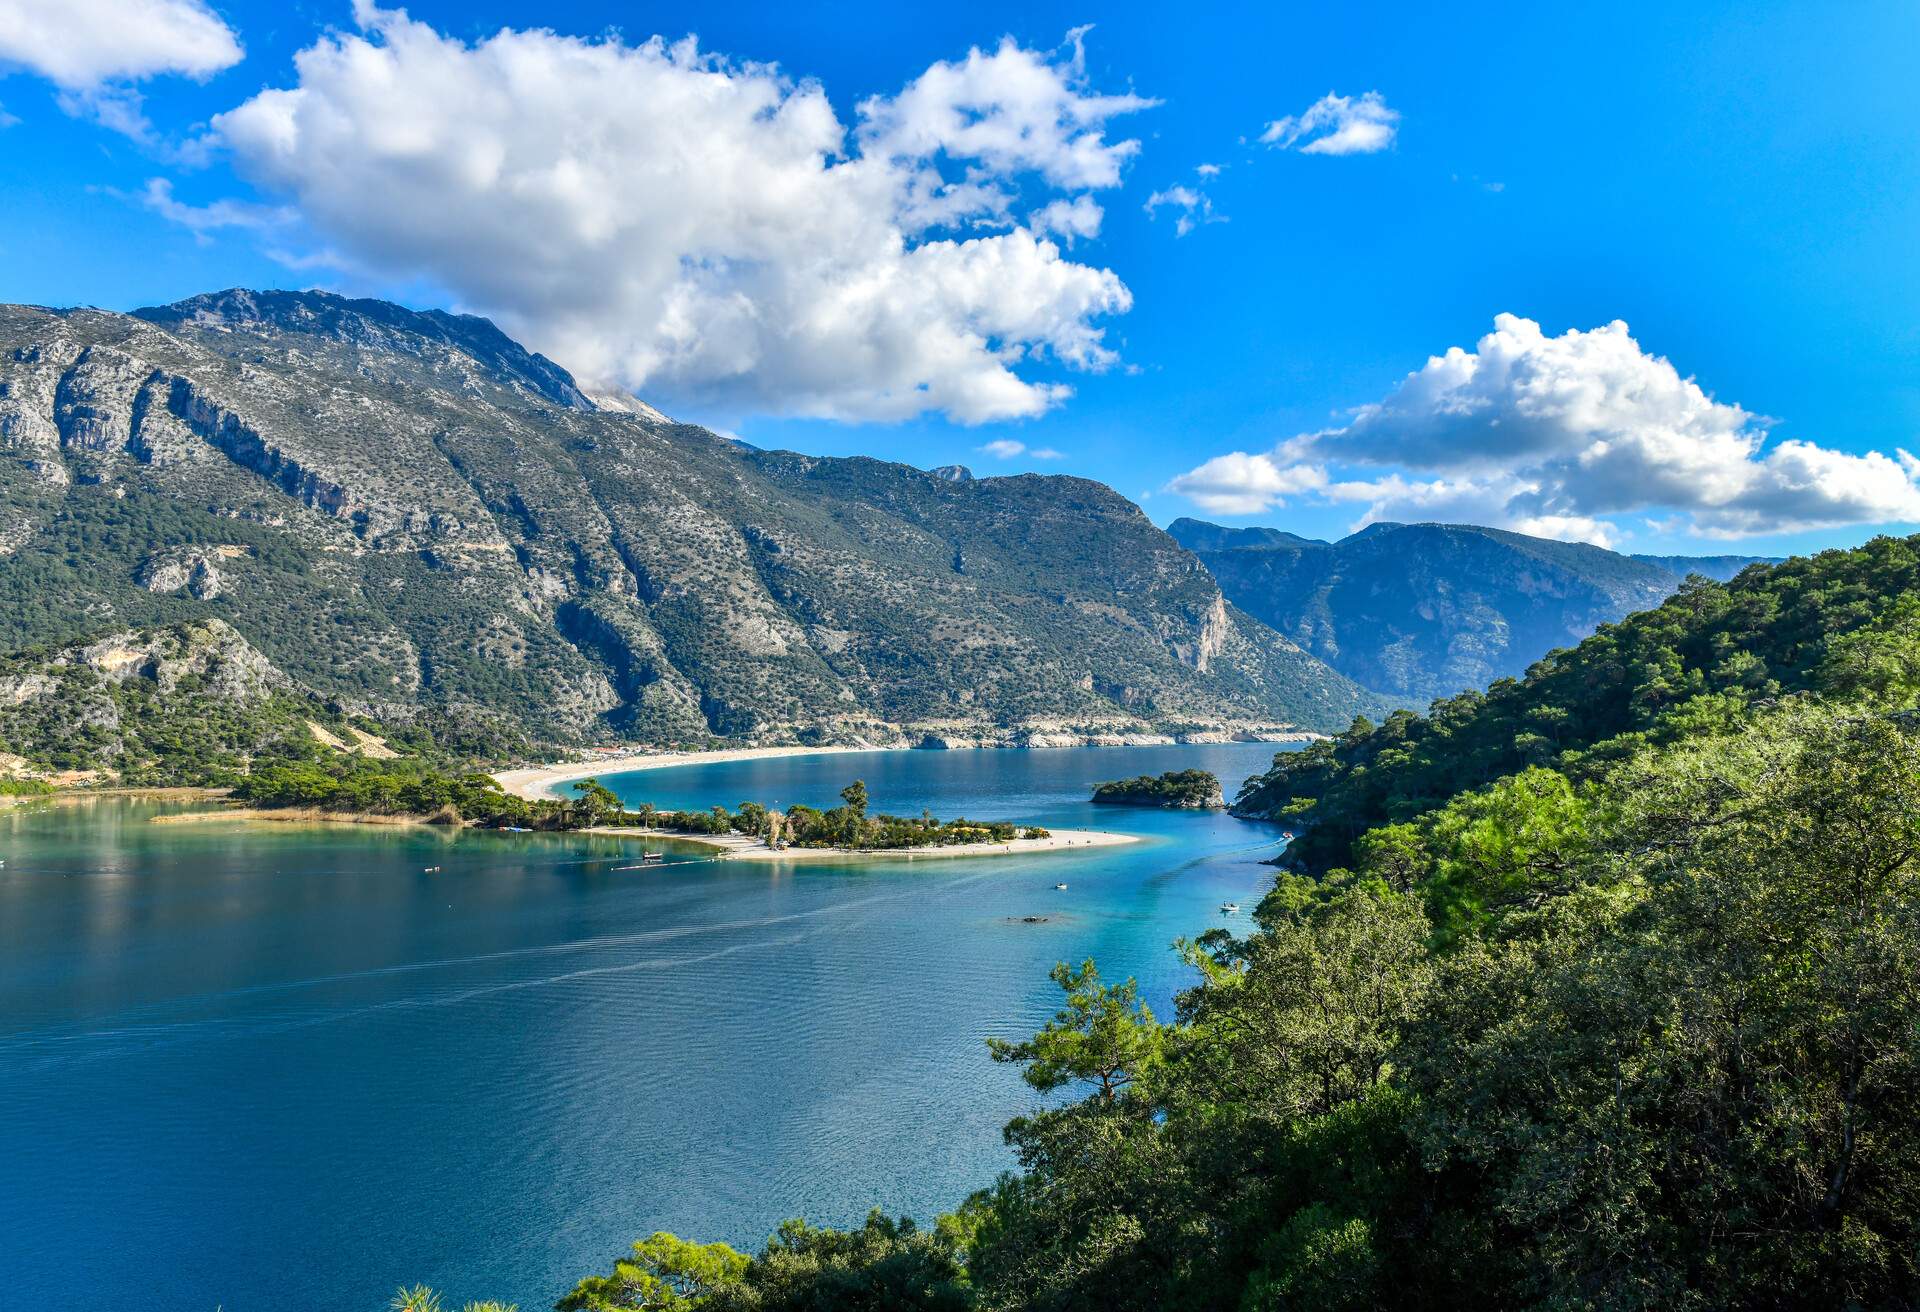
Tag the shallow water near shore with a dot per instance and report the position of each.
(271, 1066)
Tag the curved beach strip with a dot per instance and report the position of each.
(739, 847)
(542, 782)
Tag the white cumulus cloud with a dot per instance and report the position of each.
(1336, 125)
(94, 51)
(1011, 111)
(1555, 435)
(707, 231)
(1069, 219)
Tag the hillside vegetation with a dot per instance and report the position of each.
(1832, 622)
(1620, 1017)
(195, 703)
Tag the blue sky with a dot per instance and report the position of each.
(1739, 183)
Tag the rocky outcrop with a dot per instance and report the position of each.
(180, 568)
(211, 655)
(93, 406)
(243, 444)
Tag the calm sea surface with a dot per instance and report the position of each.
(280, 1067)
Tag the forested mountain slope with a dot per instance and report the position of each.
(409, 514)
(1801, 625)
(1420, 611)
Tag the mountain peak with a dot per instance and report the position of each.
(1199, 535)
(371, 323)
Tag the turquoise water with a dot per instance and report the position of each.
(265, 1067)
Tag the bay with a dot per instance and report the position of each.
(271, 1066)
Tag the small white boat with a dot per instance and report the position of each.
(1231, 908)
(1061, 887)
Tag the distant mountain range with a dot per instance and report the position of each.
(1419, 611)
(409, 515)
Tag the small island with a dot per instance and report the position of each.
(1182, 790)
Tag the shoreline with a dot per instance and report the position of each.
(727, 847)
(301, 815)
(542, 782)
(739, 847)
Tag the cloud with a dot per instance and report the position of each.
(1070, 219)
(1207, 170)
(1006, 448)
(1336, 125)
(1192, 207)
(203, 219)
(1554, 435)
(708, 231)
(1242, 484)
(95, 50)
(1013, 111)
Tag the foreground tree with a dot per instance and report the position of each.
(1706, 1086)
(1104, 1036)
(886, 1265)
(663, 1273)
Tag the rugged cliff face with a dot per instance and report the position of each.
(408, 512)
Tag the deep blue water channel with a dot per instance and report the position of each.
(262, 1067)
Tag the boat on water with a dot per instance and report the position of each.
(1231, 908)
(652, 858)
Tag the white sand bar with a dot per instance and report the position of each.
(739, 847)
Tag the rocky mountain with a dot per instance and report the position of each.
(1721, 569)
(1419, 611)
(408, 515)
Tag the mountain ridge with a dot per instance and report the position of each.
(408, 513)
(1421, 611)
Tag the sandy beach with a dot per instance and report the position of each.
(739, 847)
(543, 781)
